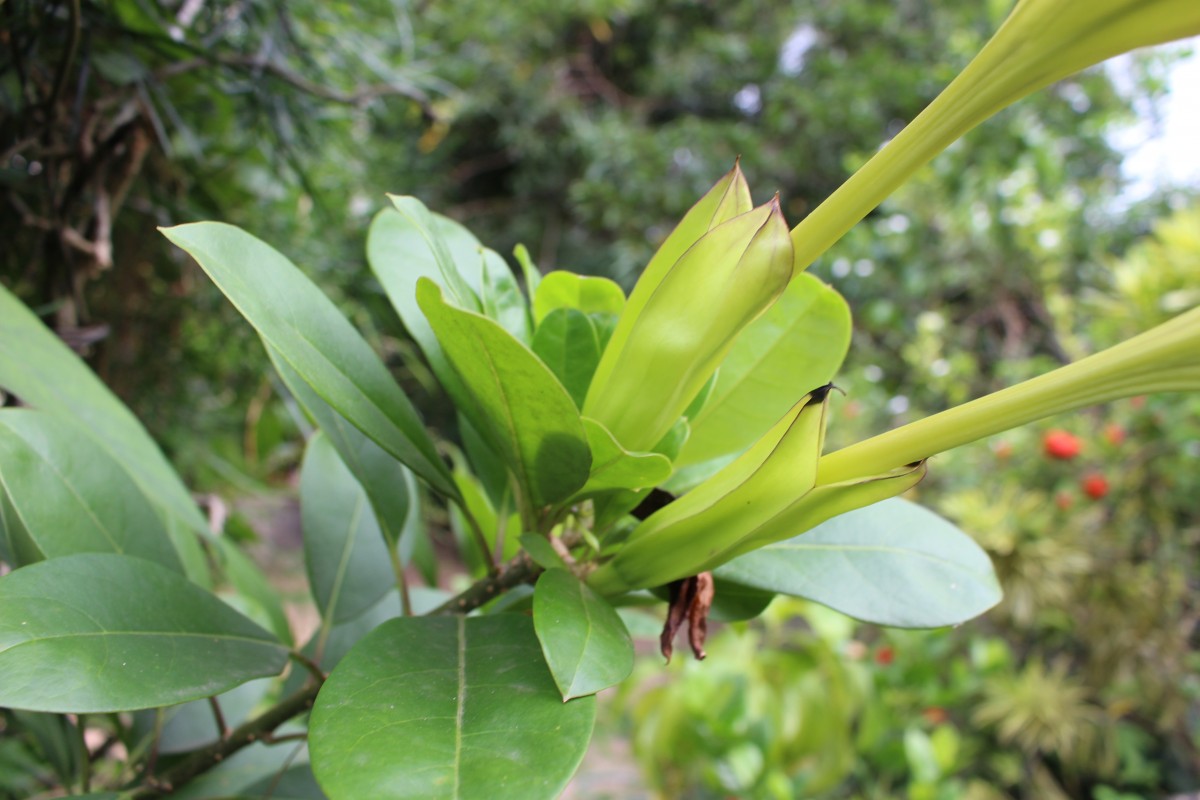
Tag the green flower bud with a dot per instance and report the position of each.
(686, 535)
(685, 312)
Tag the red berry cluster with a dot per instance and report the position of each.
(1064, 446)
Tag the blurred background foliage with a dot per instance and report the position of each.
(584, 130)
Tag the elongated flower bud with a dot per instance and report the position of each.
(677, 540)
(1163, 359)
(676, 330)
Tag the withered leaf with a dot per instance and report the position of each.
(690, 598)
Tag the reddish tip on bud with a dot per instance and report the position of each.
(1061, 445)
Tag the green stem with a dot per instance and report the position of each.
(1040, 42)
(401, 579)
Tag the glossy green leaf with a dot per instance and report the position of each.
(796, 346)
(521, 408)
(387, 482)
(892, 563)
(530, 271)
(584, 641)
(349, 567)
(501, 298)
(566, 341)
(257, 772)
(455, 251)
(311, 335)
(447, 707)
(329, 644)
(101, 632)
(240, 571)
(37, 367)
(734, 602)
(485, 463)
(68, 495)
(542, 551)
(477, 503)
(585, 293)
(402, 249)
(614, 467)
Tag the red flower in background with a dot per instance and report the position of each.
(1095, 486)
(1061, 445)
(1114, 434)
(885, 655)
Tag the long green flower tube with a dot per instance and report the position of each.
(1041, 42)
(711, 279)
(1165, 358)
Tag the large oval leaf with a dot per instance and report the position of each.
(796, 346)
(407, 243)
(447, 707)
(585, 642)
(310, 334)
(349, 568)
(101, 632)
(584, 293)
(891, 563)
(387, 482)
(37, 367)
(68, 495)
(519, 406)
(567, 342)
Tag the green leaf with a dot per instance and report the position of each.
(542, 552)
(310, 334)
(891, 563)
(455, 251)
(277, 772)
(245, 577)
(520, 407)
(530, 271)
(584, 641)
(447, 707)
(401, 250)
(793, 348)
(69, 496)
(387, 482)
(349, 567)
(614, 467)
(501, 297)
(734, 602)
(477, 504)
(101, 632)
(585, 293)
(567, 343)
(38, 368)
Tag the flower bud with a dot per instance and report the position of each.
(682, 319)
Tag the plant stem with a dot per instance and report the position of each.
(246, 734)
(517, 570)
(401, 580)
